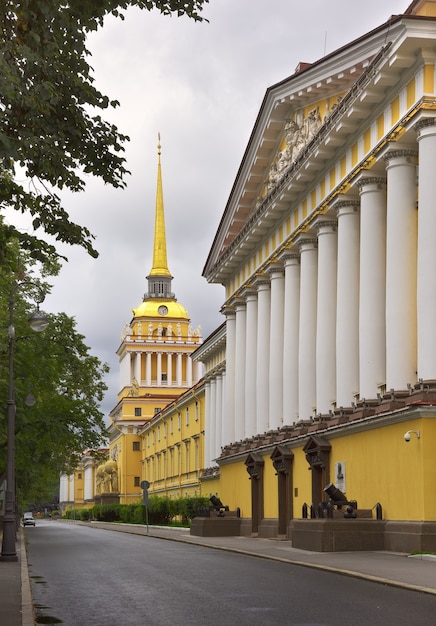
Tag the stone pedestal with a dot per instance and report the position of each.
(107, 498)
(214, 526)
(337, 535)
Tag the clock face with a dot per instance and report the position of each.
(162, 310)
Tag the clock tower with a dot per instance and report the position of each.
(154, 353)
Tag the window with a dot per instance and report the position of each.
(171, 426)
(187, 460)
(138, 411)
(136, 446)
(187, 416)
(136, 481)
(179, 421)
(164, 377)
(79, 476)
(156, 410)
(196, 411)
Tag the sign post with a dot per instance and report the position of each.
(144, 486)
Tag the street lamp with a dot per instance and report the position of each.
(38, 322)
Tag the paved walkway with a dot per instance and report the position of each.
(400, 570)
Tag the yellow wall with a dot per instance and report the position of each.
(173, 447)
(235, 487)
(380, 467)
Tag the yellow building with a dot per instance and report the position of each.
(173, 444)
(78, 490)
(155, 365)
(156, 368)
(326, 252)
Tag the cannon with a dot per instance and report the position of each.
(218, 506)
(339, 499)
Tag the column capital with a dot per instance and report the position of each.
(262, 282)
(307, 243)
(327, 226)
(228, 310)
(409, 155)
(250, 294)
(423, 124)
(276, 269)
(371, 183)
(239, 304)
(344, 201)
(290, 258)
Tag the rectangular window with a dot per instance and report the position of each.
(156, 410)
(136, 446)
(171, 425)
(196, 411)
(136, 481)
(179, 421)
(79, 476)
(138, 411)
(187, 416)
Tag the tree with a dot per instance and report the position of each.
(50, 122)
(67, 382)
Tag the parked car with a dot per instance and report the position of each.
(28, 519)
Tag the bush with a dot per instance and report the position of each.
(162, 511)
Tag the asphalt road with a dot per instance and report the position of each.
(88, 576)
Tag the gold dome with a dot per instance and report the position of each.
(163, 309)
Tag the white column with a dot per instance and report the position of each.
(326, 316)
(290, 337)
(307, 339)
(276, 347)
(148, 369)
(347, 315)
(88, 482)
(218, 414)
(262, 362)
(228, 425)
(372, 322)
(159, 369)
(138, 367)
(124, 377)
(71, 495)
(179, 369)
(213, 420)
(198, 371)
(189, 370)
(240, 371)
(401, 263)
(209, 428)
(169, 369)
(426, 287)
(63, 488)
(250, 364)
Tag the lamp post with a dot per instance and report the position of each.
(38, 322)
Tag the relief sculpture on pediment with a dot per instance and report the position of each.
(298, 133)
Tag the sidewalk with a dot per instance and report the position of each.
(399, 570)
(16, 608)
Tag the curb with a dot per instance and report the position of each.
(27, 614)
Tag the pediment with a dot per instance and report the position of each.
(302, 124)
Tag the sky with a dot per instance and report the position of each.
(200, 86)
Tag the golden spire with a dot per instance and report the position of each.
(160, 264)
